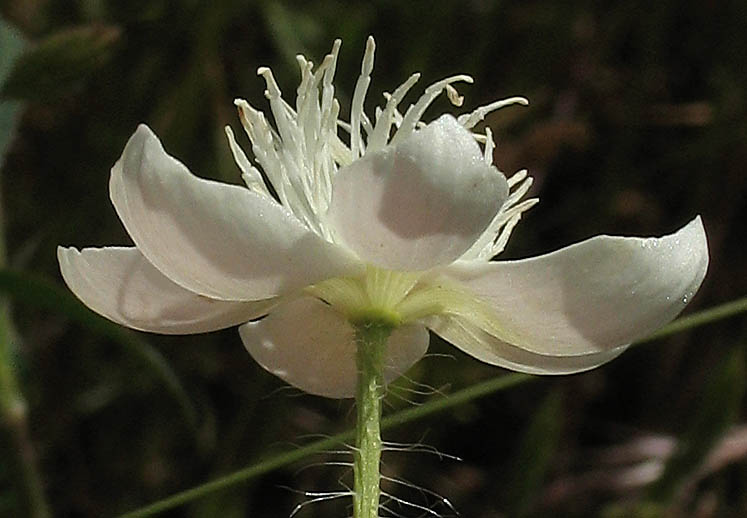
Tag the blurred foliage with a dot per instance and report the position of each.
(11, 43)
(638, 121)
(40, 293)
(534, 454)
(60, 63)
(716, 411)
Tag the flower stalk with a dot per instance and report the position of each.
(371, 339)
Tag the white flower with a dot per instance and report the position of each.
(400, 225)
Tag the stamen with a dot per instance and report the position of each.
(490, 147)
(291, 173)
(273, 90)
(359, 97)
(366, 124)
(250, 174)
(302, 153)
(493, 239)
(264, 146)
(505, 233)
(325, 157)
(318, 131)
(500, 242)
(328, 89)
(378, 139)
(285, 116)
(416, 111)
(398, 117)
(516, 177)
(306, 67)
(454, 97)
(340, 151)
(307, 106)
(469, 120)
(517, 193)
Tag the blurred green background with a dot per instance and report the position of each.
(638, 122)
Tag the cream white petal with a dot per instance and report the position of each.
(420, 203)
(311, 346)
(222, 241)
(592, 296)
(120, 284)
(485, 347)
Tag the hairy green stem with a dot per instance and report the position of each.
(371, 338)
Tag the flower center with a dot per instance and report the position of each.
(395, 298)
(378, 295)
(392, 298)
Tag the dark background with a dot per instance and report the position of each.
(637, 122)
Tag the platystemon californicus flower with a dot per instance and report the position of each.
(400, 225)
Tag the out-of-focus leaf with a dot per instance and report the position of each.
(11, 46)
(11, 43)
(290, 29)
(61, 62)
(716, 411)
(534, 455)
(635, 510)
(43, 294)
(7, 503)
(11, 487)
(9, 115)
